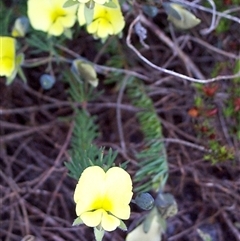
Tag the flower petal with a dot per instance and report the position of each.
(92, 219)
(47, 15)
(7, 56)
(56, 28)
(90, 190)
(38, 14)
(68, 20)
(109, 222)
(80, 15)
(118, 192)
(106, 21)
(105, 29)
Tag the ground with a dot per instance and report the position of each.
(200, 138)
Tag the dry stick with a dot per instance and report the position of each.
(31, 108)
(57, 160)
(8, 125)
(231, 226)
(179, 131)
(227, 11)
(175, 49)
(213, 22)
(21, 201)
(20, 134)
(210, 47)
(40, 95)
(54, 195)
(101, 68)
(67, 104)
(192, 228)
(167, 71)
(11, 224)
(119, 117)
(185, 143)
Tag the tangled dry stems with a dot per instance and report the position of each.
(36, 193)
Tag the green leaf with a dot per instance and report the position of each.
(68, 33)
(18, 61)
(153, 170)
(22, 75)
(88, 12)
(98, 233)
(110, 4)
(122, 226)
(77, 221)
(90, 4)
(70, 3)
(6, 14)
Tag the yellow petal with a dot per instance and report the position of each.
(93, 27)
(106, 21)
(116, 18)
(119, 191)
(109, 222)
(80, 15)
(105, 28)
(67, 21)
(44, 14)
(92, 219)
(39, 14)
(56, 29)
(7, 56)
(90, 190)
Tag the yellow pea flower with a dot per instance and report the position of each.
(102, 198)
(50, 16)
(106, 21)
(7, 56)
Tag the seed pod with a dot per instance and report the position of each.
(180, 17)
(145, 201)
(47, 81)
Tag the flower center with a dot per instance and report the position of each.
(57, 13)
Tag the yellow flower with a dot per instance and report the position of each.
(102, 198)
(50, 16)
(106, 21)
(7, 56)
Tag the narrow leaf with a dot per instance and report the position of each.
(88, 13)
(70, 3)
(110, 4)
(77, 221)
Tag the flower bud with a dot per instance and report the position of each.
(20, 27)
(145, 201)
(47, 81)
